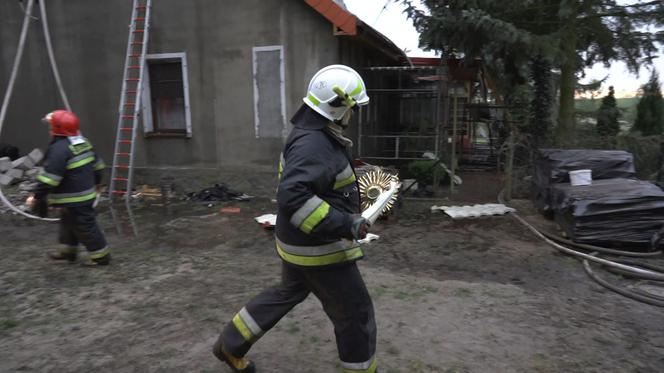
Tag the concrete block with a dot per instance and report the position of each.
(23, 163)
(5, 179)
(27, 186)
(33, 172)
(36, 155)
(15, 173)
(5, 164)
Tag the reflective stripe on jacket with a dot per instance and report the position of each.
(71, 172)
(317, 197)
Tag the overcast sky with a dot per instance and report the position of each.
(388, 18)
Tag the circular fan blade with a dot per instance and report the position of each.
(372, 184)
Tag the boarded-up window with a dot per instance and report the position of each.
(269, 92)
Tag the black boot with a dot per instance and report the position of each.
(69, 253)
(237, 364)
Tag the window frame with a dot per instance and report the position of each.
(146, 95)
(282, 85)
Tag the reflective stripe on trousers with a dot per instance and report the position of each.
(247, 326)
(335, 252)
(368, 366)
(86, 195)
(345, 299)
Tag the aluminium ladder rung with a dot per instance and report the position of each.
(129, 110)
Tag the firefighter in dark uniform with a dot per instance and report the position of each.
(72, 171)
(318, 225)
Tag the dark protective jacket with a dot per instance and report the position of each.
(71, 172)
(317, 196)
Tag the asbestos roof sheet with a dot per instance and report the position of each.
(474, 211)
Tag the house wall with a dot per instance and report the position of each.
(218, 36)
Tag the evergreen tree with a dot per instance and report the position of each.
(540, 105)
(607, 117)
(650, 110)
(572, 33)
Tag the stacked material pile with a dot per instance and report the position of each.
(625, 213)
(553, 167)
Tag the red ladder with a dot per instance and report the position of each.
(130, 101)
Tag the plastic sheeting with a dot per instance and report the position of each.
(624, 213)
(553, 166)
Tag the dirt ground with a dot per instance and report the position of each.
(475, 295)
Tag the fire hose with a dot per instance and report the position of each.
(12, 81)
(632, 269)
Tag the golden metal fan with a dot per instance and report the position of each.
(372, 184)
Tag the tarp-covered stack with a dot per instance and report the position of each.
(553, 167)
(620, 212)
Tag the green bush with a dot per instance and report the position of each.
(423, 171)
(646, 151)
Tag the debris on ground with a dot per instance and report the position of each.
(147, 191)
(268, 221)
(218, 193)
(370, 237)
(230, 210)
(474, 211)
(20, 169)
(17, 177)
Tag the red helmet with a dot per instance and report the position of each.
(63, 123)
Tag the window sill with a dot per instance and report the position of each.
(166, 135)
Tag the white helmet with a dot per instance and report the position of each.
(334, 90)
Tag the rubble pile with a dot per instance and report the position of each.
(218, 193)
(22, 172)
(12, 172)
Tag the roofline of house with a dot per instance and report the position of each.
(350, 25)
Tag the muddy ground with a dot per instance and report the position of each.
(477, 295)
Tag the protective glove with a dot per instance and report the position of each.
(39, 206)
(359, 227)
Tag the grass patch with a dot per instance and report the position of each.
(8, 324)
(292, 328)
(392, 350)
(463, 292)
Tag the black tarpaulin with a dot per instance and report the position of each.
(553, 166)
(625, 213)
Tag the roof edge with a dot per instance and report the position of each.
(334, 13)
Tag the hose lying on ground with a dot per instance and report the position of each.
(640, 295)
(631, 270)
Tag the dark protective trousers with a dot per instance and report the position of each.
(78, 225)
(340, 289)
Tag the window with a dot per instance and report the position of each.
(166, 96)
(269, 92)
